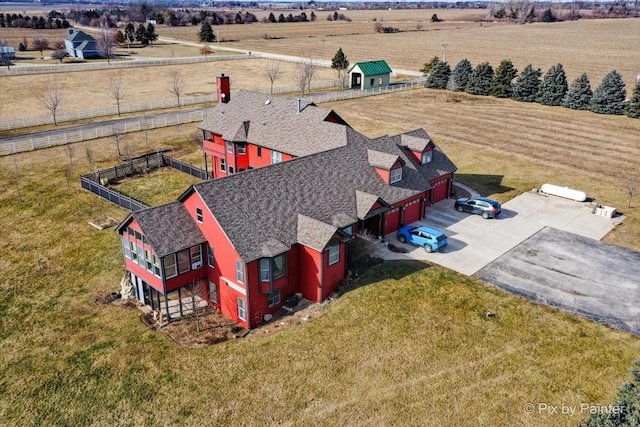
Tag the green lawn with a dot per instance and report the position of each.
(160, 186)
(409, 346)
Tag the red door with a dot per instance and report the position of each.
(392, 221)
(412, 212)
(440, 190)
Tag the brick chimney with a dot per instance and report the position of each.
(224, 85)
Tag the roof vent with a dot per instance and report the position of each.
(267, 102)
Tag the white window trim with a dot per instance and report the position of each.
(244, 309)
(175, 266)
(276, 157)
(427, 157)
(393, 174)
(336, 247)
(223, 165)
(240, 271)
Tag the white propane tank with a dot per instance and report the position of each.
(566, 192)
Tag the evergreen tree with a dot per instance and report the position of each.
(427, 66)
(547, 16)
(609, 97)
(439, 76)
(627, 401)
(312, 16)
(480, 80)
(151, 33)
(281, 18)
(579, 95)
(460, 76)
(525, 89)
(141, 34)
(206, 32)
(633, 108)
(554, 86)
(504, 75)
(340, 63)
(272, 18)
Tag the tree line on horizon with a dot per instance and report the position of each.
(610, 97)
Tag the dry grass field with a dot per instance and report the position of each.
(409, 346)
(140, 84)
(595, 153)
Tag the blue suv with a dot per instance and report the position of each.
(426, 237)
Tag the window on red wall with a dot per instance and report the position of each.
(183, 261)
(259, 151)
(334, 253)
(242, 148)
(223, 165)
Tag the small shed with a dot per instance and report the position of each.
(369, 74)
(8, 52)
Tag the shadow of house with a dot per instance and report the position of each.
(484, 184)
(81, 45)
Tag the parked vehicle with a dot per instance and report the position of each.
(488, 208)
(426, 237)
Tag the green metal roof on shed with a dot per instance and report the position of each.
(372, 68)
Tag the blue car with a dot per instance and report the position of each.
(426, 237)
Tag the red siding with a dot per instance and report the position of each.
(265, 159)
(144, 274)
(225, 257)
(310, 262)
(384, 174)
(332, 274)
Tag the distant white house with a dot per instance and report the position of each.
(81, 45)
(7, 52)
(369, 74)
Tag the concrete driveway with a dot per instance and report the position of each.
(474, 242)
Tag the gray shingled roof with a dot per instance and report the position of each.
(263, 205)
(169, 228)
(415, 142)
(274, 123)
(413, 172)
(79, 36)
(313, 233)
(381, 159)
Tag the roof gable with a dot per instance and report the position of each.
(169, 228)
(80, 36)
(372, 68)
(275, 123)
(381, 159)
(313, 233)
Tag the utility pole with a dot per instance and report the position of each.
(444, 53)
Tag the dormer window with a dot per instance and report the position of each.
(395, 175)
(426, 157)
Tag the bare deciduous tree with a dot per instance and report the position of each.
(50, 96)
(106, 43)
(70, 150)
(206, 50)
(177, 84)
(60, 54)
(310, 69)
(68, 174)
(631, 191)
(116, 89)
(88, 152)
(40, 45)
(303, 74)
(197, 288)
(117, 133)
(272, 73)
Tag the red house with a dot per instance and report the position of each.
(259, 236)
